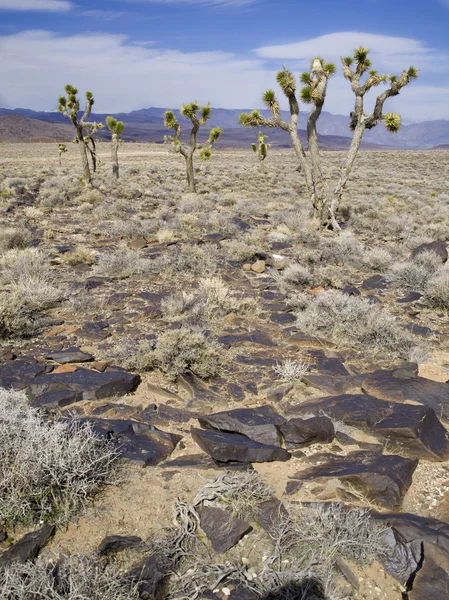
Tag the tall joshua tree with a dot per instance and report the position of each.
(261, 149)
(198, 115)
(356, 69)
(69, 106)
(116, 128)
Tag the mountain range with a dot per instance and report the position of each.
(146, 125)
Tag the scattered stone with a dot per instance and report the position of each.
(221, 528)
(269, 514)
(404, 385)
(302, 340)
(247, 267)
(256, 337)
(382, 479)
(300, 433)
(158, 394)
(227, 447)
(151, 577)
(236, 391)
(347, 572)
(28, 547)
(259, 424)
(284, 318)
(376, 282)
(71, 355)
(200, 395)
(258, 266)
(351, 291)
(431, 582)
(415, 428)
(331, 366)
(334, 384)
(411, 297)
(65, 369)
(438, 248)
(420, 330)
(200, 461)
(279, 392)
(3, 534)
(116, 543)
(17, 374)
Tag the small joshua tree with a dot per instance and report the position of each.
(261, 149)
(198, 116)
(116, 128)
(69, 106)
(357, 70)
(62, 148)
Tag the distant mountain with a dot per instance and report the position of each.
(146, 125)
(15, 128)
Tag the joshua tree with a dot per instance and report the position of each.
(261, 149)
(357, 70)
(70, 106)
(62, 150)
(116, 128)
(190, 111)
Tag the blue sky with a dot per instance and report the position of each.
(138, 53)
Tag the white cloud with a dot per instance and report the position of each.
(388, 53)
(36, 65)
(36, 5)
(216, 3)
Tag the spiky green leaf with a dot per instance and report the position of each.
(306, 95)
(170, 121)
(348, 60)
(254, 147)
(205, 154)
(305, 78)
(287, 82)
(392, 122)
(412, 73)
(361, 54)
(206, 112)
(214, 134)
(330, 68)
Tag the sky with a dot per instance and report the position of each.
(134, 54)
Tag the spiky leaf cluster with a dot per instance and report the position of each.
(253, 119)
(214, 134)
(115, 126)
(189, 110)
(319, 69)
(392, 122)
(286, 80)
(170, 120)
(62, 148)
(206, 154)
(271, 102)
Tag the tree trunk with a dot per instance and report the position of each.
(84, 159)
(190, 173)
(114, 156)
(299, 150)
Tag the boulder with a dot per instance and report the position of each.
(200, 395)
(221, 528)
(415, 428)
(382, 479)
(260, 424)
(299, 433)
(28, 547)
(71, 355)
(438, 248)
(116, 543)
(17, 374)
(234, 447)
(269, 514)
(431, 582)
(405, 385)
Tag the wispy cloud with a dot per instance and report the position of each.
(388, 53)
(213, 3)
(106, 15)
(36, 5)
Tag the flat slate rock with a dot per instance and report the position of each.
(151, 577)
(402, 385)
(112, 544)
(221, 528)
(438, 248)
(415, 428)
(256, 337)
(17, 374)
(411, 297)
(382, 479)
(302, 340)
(234, 447)
(93, 385)
(200, 395)
(71, 355)
(431, 583)
(331, 366)
(376, 282)
(259, 424)
(334, 384)
(270, 513)
(299, 433)
(28, 547)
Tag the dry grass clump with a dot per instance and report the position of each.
(414, 274)
(121, 264)
(14, 237)
(29, 262)
(187, 349)
(437, 290)
(70, 578)
(291, 370)
(48, 469)
(379, 259)
(343, 318)
(131, 228)
(79, 256)
(243, 247)
(294, 276)
(188, 259)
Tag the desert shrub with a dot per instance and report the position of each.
(344, 249)
(130, 228)
(437, 290)
(378, 259)
(14, 237)
(71, 578)
(132, 354)
(192, 260)
(16, 318)
(187, 349)
(21, 264)
(244, 247)
(340, 317)
(414, 274)
(79, 256)
(291, 278)
(291, 370)
(48, 469)
(121, 264)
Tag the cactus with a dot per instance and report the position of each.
(69, 106)
(261, 149)
(356, 69)
(198, 116)
(62, 148)
(116, 128)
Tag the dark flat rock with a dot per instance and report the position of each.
(382, 479)
(376, 282)
(270, 513)
(334, 384)
(402, 385)
(256, 337)
(233, 447)
(276, 394)
(260, 424)
(71, 355)
(28, 547)
(92, 384)
(117, 543)
(200, 395)
(411, 297)
(17, 374)
(439, 248)
(151, 577)
(431, 582)
(200, 461)
(331, 366)
(415, 428)
(221, 528)
(302, 340)
(420, 330)
(300, 433)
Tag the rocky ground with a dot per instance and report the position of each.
(222, 333)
